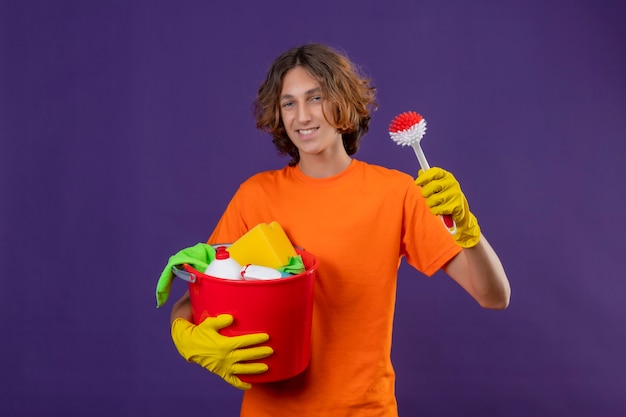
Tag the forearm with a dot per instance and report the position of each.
(479, 271)
(182, 308)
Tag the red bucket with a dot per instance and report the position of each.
(282, 308)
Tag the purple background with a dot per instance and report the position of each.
(126, 127)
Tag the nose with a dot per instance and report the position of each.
(303, 114)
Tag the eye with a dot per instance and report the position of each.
(316, 98)
(286, 104)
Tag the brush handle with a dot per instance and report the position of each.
(447, 219)
(420, 156)
(449, 222)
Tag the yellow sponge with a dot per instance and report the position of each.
(265, 245)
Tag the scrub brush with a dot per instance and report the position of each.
(408, 128)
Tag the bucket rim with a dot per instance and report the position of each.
(308, 272)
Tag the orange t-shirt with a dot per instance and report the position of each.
(358, 224)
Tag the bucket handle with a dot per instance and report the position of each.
(184, 275)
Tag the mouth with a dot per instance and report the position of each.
(305, 132)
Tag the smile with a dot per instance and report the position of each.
(307, 131)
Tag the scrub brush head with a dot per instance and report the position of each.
(407, 128)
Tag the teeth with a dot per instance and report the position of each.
(306, 131)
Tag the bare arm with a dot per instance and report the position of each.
(479, 271)
(181, 308)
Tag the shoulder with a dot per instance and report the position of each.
(266, 178)
(380, 173)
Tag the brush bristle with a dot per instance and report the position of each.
(407, 128)
(404, 121)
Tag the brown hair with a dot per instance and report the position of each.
(350, 94)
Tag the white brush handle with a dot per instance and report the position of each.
(420, 155)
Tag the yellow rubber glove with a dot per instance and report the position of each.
(444, 196)
(221, 355)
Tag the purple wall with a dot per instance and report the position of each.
(126, 126)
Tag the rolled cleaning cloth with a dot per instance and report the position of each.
(295, 266)
(198, 256)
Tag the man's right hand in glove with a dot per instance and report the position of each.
(221, 355)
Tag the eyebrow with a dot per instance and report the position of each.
(306, 93)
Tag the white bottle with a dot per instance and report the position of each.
(259, 273)
(223, 266)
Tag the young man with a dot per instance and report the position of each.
(359, 220)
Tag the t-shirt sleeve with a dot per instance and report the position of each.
(426, 242)
(231, 225)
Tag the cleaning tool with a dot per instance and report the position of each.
(408, 128)
(260, 273)
(282, 308)
(264, 244)
(198, 256)
(223, 266)
(224, 356)
(294, 267)
(444, 196)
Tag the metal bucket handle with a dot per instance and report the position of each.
(184, 275)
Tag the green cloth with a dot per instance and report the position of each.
(198, 256)
(295, 266)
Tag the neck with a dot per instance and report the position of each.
(323, 166)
